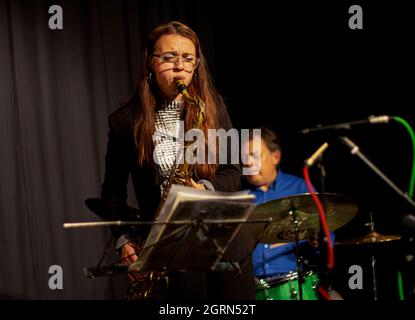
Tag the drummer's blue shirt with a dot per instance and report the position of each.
(269, 261)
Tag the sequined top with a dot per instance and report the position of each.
(166, 137)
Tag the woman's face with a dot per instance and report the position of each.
(174, 57)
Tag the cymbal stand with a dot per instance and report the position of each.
(373, 262)
(322, 243)
(298, 257)
(375, 289)
(356, 151)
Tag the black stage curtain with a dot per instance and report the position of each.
(57, 88)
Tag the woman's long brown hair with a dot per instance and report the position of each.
(149, 97)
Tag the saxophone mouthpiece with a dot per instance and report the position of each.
(180, 86)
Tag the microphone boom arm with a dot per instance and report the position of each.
(348, 125)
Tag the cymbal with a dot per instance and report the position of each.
(97, 206)
(340, 211)
(369, 238)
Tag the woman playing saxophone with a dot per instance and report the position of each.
(143, 143)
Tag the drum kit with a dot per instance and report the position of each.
(296, 218)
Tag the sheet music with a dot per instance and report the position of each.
(185, 203)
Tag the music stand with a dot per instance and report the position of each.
(199, 230)
(195, 229)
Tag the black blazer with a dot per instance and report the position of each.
(122, 159)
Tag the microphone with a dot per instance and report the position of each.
(310, 161)
(347, 125)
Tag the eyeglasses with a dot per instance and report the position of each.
(190, 62)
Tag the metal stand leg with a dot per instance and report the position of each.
(298, 257)
(375, 289)
(373, 260)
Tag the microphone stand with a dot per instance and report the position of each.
(347, 125)
(356, 151)
(317, 156)
(322, 243)
(344, 125)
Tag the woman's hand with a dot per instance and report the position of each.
(199, 186)
(129, 255)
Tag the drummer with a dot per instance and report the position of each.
(271, 183)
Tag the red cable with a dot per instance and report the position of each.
(323, 293)
(330, 251)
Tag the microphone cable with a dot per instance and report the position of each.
(410, 189)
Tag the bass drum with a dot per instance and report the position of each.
(285, 287)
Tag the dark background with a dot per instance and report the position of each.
(289, 66)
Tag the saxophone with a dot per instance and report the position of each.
(182, 174)
(153, 285)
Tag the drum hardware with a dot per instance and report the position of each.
(284, 287)
(298, 256)
(292, 287)
(371, 237)
(340, 211)
(296, 218)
